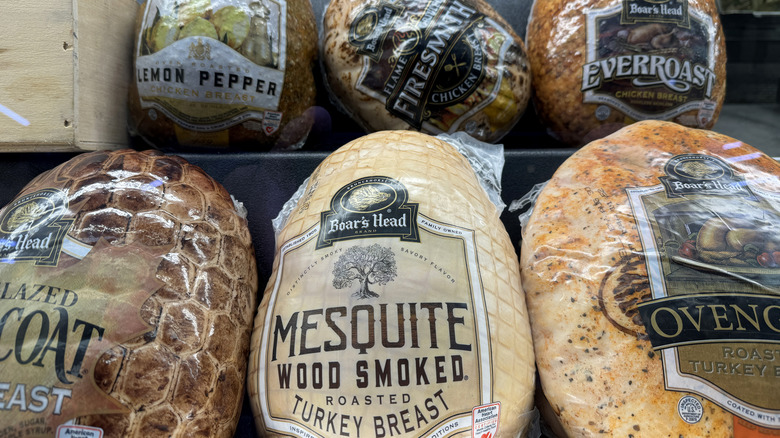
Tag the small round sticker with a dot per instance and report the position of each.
(690, 409)
(602, 112)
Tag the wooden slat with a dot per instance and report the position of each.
(36, 67)
(105, 44)
(64, 70)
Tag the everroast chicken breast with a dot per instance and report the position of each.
(650, 264)
(127, 290)
(599, 65)
(394, 307)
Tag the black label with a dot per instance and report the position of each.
(696, 174)
(709, 318)
(656, 11)
(374, 206)
(425, 60)
(32, 228)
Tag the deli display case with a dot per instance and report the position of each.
(58, 101)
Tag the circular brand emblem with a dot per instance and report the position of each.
(368, 198)
(31, 212)
(602, 112)
(699, 170)
(697, 167)
(690, 409)
(622, 289)
(461, 71)
(363, 27)
(406, 41)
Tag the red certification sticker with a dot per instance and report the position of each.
(484, 420)
(64, 431)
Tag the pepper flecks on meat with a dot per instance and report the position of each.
(581, 329)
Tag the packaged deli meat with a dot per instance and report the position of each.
(650, 265)
(224, 73)
(441, 66)
(128, 286)
(394, 307)
(599, 65)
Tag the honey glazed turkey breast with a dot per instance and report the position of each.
(160, 279)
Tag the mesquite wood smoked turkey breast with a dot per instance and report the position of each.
(652, 288)
(145, 318)
(394, 306)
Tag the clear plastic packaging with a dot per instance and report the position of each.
(649, 268)
(129, 285)
(224, 73)
(435, 67)
(599, 65)
(395, 305)
(486, 159)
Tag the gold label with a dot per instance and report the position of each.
(377, 337)
(55, 323)
(712, 253)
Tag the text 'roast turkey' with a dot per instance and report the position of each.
(127, 290)
(394, 307)
(651, 268)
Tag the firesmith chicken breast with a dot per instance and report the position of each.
(440, 66)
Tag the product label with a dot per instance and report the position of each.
(79, 432)
(369, 207)
(655, 11)
(56, 321)
(211, 65)
(711, 246)
(485, 420)
(650, 60)
(380, 336)
(432, 67)
(32, 228)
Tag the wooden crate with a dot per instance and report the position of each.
(65, 66)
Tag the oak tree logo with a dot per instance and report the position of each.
(368, 265)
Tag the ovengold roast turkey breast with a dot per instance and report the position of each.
(649, 264)
(394, 307)
(126, 301)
